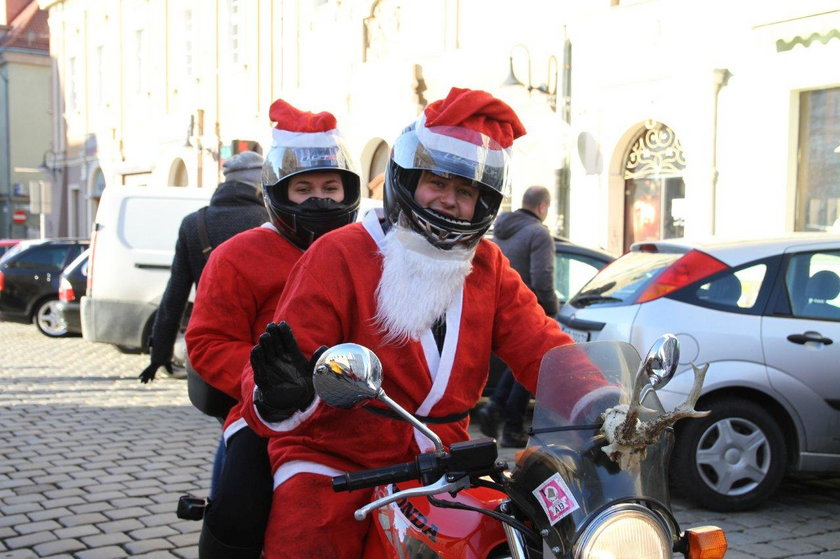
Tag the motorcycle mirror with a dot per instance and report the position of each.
(662, 360)
(350, 375)
(347, 376)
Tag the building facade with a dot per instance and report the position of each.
(647, 118)
(25, 122)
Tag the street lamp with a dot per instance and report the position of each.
(549, 88)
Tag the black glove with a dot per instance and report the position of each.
(149, 372)
(282, 373)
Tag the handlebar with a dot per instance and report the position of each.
(376, 476)
(476, 457)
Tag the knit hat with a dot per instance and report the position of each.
(244, 167)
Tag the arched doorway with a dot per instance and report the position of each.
(178, 173)
(654, 190)
(376, 170)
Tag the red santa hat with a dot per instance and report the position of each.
(474, 127)
(477, 112)
(297, 128)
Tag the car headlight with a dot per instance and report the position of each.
(625, 532)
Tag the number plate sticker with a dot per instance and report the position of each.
(555, 498)
(577, 335)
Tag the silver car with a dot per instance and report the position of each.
(765, 314)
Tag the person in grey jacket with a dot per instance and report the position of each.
(236, 205)
(530, 248)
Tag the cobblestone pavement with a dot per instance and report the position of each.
(92, 463)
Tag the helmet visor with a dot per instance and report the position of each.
(299, 153)
(452, 150)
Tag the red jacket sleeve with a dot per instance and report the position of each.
(220, 336)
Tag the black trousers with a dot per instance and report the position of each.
(238, 513)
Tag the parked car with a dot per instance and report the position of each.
(29, 278)
(574, 265)
(130, 261)
(135, 231)
(71, 287)
(765, 314)
(6, 244)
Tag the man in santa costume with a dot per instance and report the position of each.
(419, 286)
(309, 187)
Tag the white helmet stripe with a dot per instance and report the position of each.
(288, 139)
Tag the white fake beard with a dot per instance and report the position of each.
(419, 282)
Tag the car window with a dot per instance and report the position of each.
(75, 251)
(735, 290)
(52, 257)
(138, 232)
(812, 283)
(622, 280)
(11, 252)
(81, 262)
(571, 272)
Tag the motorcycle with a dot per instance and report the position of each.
(591, 487)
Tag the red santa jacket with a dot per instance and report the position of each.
(236, 298)
(330, 299)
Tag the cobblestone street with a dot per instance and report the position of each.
(92, 463)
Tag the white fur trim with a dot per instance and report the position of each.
(289, 139)
(290, 469)
(490, 152)
(444, 361)
(372, 225)
(291, 422)
(234, 428)
(430, 351)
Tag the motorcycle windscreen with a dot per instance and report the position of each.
(563, 477)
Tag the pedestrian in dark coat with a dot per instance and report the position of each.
(236, 206)
(530, 248)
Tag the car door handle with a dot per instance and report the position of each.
(809, 337)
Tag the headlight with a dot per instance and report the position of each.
(625, 532)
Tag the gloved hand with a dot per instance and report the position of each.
(282, 373)
(149, 372)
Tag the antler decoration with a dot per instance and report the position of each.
(629, 437)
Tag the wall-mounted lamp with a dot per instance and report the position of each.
(548, 88)
(190, 129)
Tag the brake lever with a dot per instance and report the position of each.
(440, 486)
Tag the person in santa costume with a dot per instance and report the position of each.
(419, 286)
(309, 187)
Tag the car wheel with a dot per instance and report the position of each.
(48, 320)
(732, 459)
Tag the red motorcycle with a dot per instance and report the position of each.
(588, 489)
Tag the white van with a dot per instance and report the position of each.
(132, 247)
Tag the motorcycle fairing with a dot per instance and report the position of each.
(559, 446)
(418, 530)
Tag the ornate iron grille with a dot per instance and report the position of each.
(656, 153)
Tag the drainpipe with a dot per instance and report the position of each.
(7, 140)
(720, 77)
(564, 177)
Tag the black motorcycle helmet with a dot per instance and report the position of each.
(305, 142)
(462, 150)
